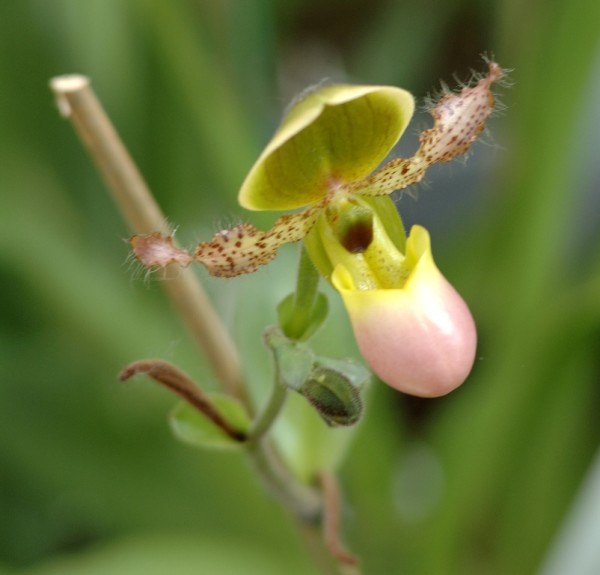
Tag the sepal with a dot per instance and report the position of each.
(332, 136)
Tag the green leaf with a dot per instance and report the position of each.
(336, 134)
(191, 426)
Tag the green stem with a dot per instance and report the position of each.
(302, 501)
(304, 298)
(268, 415)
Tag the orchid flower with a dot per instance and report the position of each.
(412, 327)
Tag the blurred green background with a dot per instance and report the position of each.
(494, 479)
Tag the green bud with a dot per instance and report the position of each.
(334, 396)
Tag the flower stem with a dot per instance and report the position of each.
(304, 298)
(304, 504)
(263, 422)
(302, 501)
(77, 101)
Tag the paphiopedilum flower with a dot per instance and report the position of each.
(322, 158)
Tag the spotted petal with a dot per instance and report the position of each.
(458, 120)
(244, 248)
(239, 250)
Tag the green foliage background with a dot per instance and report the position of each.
(479, 482)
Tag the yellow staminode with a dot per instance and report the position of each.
(413, 267)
